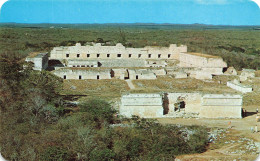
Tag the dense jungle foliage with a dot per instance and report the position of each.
(37, 125)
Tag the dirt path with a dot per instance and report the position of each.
(240, 130)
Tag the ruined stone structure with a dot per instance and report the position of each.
(137, 63)
(247, 73)
(118, 62)
(143, 105)
(39, 60)
(181, 105)
(239, 87)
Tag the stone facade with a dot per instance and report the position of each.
(182, 104)
(142, 105)
(239, 87)
(97, 51)
(247, 73)
(203, 66)
(40, 61)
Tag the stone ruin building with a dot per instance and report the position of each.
(119, 62)
(181, 105)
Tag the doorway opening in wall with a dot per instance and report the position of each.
(97, 77)
(165, 104)
(136, 77)
(67, 55)
(149, 55)
(130, 55)
(98, 55)
(169, 55)
(78, 55)
(80, 77)
(159, 55)
(126, 75)
(108, 55)
(139, 55)
(182, 105)
(64, 77)
(119, 55)
(88, 55)
(224, 70)
(99, 64)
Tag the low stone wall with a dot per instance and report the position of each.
(239, 87)
(142, 105)
(221, 106)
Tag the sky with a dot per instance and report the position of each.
(214, 12)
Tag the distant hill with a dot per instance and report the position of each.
(129, 25)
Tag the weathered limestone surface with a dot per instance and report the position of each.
(193, 104)
(72, 73)
(207, 65)
(192, 101)
(201, 60)
(142, 105)
(82, 63)
(247, 73)
(141, 74)
(40, 61)
(239, 87)
(231, 71)
(115, 52)
(221, 106)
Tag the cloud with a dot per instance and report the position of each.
(257, 2)
(2, 3)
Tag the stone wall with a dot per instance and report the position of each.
(192, 101)
(142, 105)
(190, 104)
(239, 87)
(115, 52)
(201, 60)
(72, 73)
(207, 65)
(40, 61)
(247, 73)
(221, 106)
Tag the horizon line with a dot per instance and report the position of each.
(132, 23)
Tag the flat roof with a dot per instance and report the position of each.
(36, 55)
(202, 55)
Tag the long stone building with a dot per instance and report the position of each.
(132, 63)
(181, 104)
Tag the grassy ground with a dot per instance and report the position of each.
(168, 84)
(92, 88)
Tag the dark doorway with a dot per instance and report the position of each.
(112, 73)
(136, 77)
(64, 77)
(97, 76)
(182, 104)
(165, 104)
(126, 75)
(80, 77)
(99, 64)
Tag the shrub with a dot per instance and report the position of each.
(100, 110)
(54, 153)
